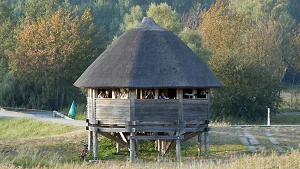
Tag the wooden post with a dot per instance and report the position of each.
(180, 113)
(180, 103)
(164, 144)
(268, 121)
(113, 96)
(132, 98)
(159, 146)
(95, 145)
(90, 142)
(206, 143)
(136, 147)
(178, 151)
(206, 132)
(199, 144)
(194, 92)
(156, 93)
(93, 115)
(141, 93)
(117, 147)
(132, 146)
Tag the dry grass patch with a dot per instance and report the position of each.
(254, 161)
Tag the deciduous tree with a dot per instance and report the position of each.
(165, 16)
(54, 50)
(246, 58)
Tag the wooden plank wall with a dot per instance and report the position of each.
(156, 110)
(89, 107)
(195, 110)
(113, 110)
(118, 110)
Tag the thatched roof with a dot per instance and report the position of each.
(148, 56)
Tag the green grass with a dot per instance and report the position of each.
(61, 149)
(14, 128)
(285, 119)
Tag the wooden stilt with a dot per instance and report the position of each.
(163, 145)
(95, 145)
(178, 151)
(117, 147)
(132, 147)
(199, 144)
(136, 147)
(159, 146)
(206, 143)
(90, 142)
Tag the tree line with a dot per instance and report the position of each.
(46, 45)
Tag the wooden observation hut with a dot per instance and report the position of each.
(148, 59)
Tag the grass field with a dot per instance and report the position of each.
(60, 148)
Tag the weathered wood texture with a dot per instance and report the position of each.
(89, 107)
(112, 110)
(156, 110)
(118, 110)
(195, 110)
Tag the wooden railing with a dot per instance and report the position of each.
(118, 110)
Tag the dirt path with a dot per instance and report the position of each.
(265, 139)
(50, 119)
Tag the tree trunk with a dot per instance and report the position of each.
(62, 97)
(56, 93)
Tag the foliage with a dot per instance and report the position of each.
(36, 9)
(14, 92)
(281, 119)
(132, 19)
(296, 44)
(6, 38)
(164, 16)
(191, 19)
(193, 40)
(246, 58)
(51, 47)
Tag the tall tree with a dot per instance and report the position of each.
(52, 51)
(36, 8)
(6, 38)
(193, 40)
(246, 57)
(132, 19)
(165, 16)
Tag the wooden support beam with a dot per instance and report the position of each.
(123, 137)
(132, 97)
(158, 137)
(93, 116)
(170, 145)
(95, 145)
(132, 147)
(199, 144)
(156, 93)
(114, 138)
(90, 142)
(186, 136)
(180, 103)
(178, 150)
(206, 143)
(159, 146)
(163, 145)
(117, 147)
